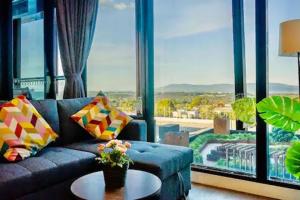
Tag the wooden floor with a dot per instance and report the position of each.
(201, 192)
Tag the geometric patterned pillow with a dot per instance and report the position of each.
(100, 119)
(23, 131)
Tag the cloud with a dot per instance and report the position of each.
(123, 6)
(112, 67)
(190, 19)
(117, 5)
(106, 54)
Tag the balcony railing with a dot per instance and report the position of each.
(36, 85)
(34, 80)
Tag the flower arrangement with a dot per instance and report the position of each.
(113, 154)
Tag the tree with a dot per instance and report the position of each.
(207, 111)
(164, 107)
(198, 101)
(128, 105)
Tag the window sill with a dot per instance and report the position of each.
(242, 176)
(246, 186)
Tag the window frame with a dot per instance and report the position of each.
(261, 51)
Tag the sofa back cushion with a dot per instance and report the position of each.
(71, 131)
(48, 109)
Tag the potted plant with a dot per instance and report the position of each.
(115, 162)
(221, 123)
(245, 110)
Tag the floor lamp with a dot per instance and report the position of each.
(289, 42)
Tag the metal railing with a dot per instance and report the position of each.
(34, 81)
(36, 86)
(242, 157)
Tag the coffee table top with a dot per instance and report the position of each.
(138, 185)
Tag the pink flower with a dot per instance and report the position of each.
(121, 148)
(127, 145)
(118, 141)
(110, 144)
(101, 147)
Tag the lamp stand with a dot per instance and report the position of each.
(298, 55)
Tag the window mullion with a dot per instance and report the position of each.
(261, 88)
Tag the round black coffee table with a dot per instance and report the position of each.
(139, 185)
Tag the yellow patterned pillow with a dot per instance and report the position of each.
(100, 119)
(23, 131)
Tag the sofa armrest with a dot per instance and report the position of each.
(135, 130)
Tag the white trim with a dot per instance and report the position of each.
(250, 187)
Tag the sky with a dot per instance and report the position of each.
(193, 43)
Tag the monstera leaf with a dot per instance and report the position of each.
(292, 159)
(244, 110)
(281, 112)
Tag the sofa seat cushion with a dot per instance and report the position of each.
(159, 159)
(52, 165)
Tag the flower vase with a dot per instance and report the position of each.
(115, 177)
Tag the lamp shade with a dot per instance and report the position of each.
(289, 39)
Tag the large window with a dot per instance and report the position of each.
(195, 75)
(112, 61)
(283, 76)
(194, 83)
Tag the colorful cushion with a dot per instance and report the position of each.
(100, 119)
(23, 131)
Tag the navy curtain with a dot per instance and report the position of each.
(76, 21)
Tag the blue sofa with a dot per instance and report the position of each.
(49, 174)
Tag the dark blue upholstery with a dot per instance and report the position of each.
(48, 109)
(70, 130)
(135, 130)
(170, 186)
(51, 166)
(159, 159)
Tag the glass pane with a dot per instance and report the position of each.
(61, 79)
(112, 61)
(283, 76)
(249, 28)
(194, 83)
(32, 57)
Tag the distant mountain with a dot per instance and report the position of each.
(225, 88)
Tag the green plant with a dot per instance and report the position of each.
(284, 113)
(114, 153)
(292, 160)
(199, 142)
(198, 159)
(221, 115)
(278, 135)
(221, 162)
(281, 112)
(245, 110)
